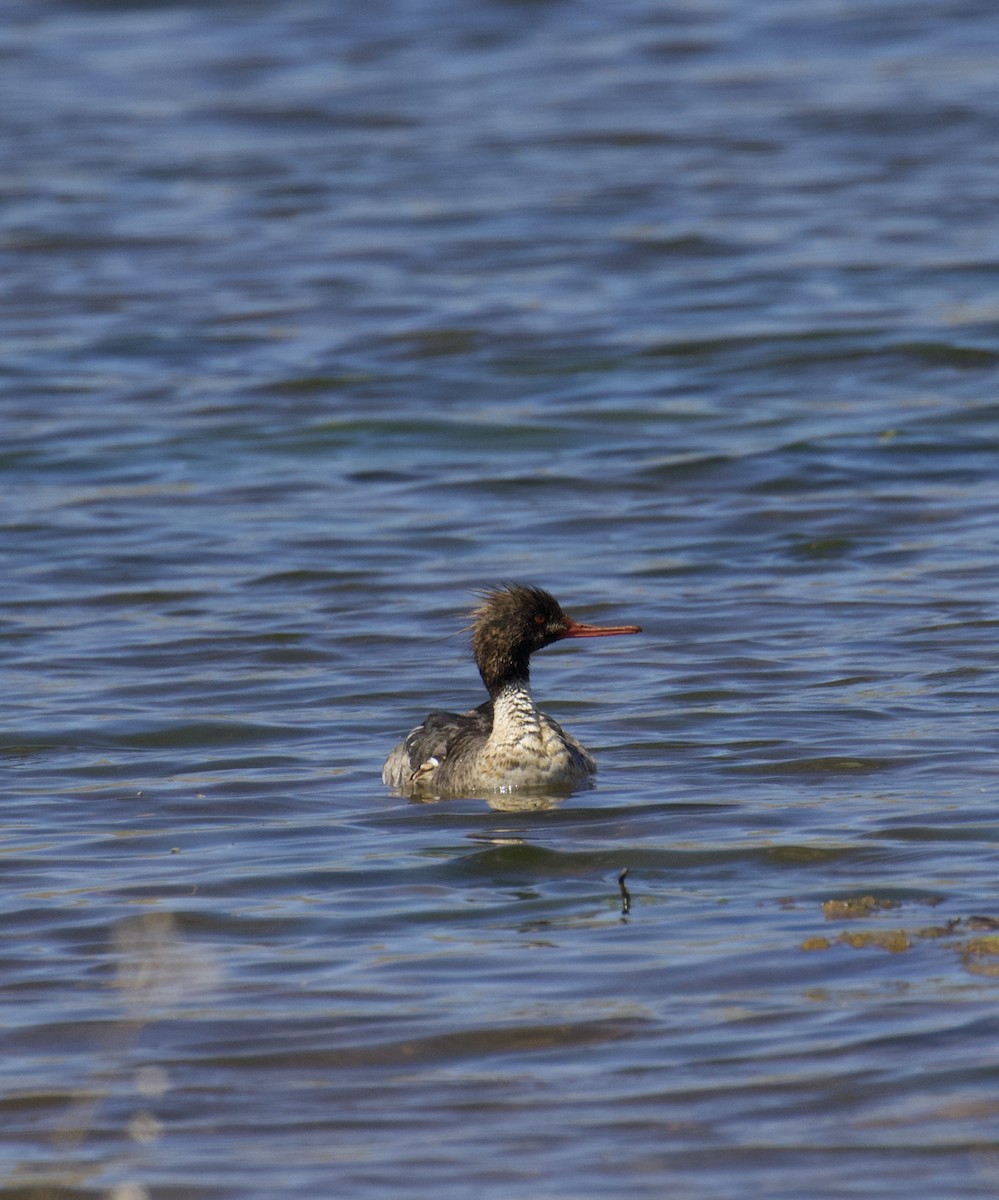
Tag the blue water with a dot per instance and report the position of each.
(315, 319)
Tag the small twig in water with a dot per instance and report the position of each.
(625, 894)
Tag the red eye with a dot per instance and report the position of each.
(539, 619)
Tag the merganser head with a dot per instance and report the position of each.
(515, 620)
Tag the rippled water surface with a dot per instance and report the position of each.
(317, 317)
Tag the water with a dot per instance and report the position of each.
(317, 317)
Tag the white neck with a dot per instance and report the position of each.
(515, 719)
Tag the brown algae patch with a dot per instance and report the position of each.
(979, 955)
(895, 941)
(855, 906)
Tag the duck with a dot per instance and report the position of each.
(507, 743)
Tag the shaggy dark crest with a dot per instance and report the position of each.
(509, 625)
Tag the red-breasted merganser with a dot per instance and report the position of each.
(505, 743)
